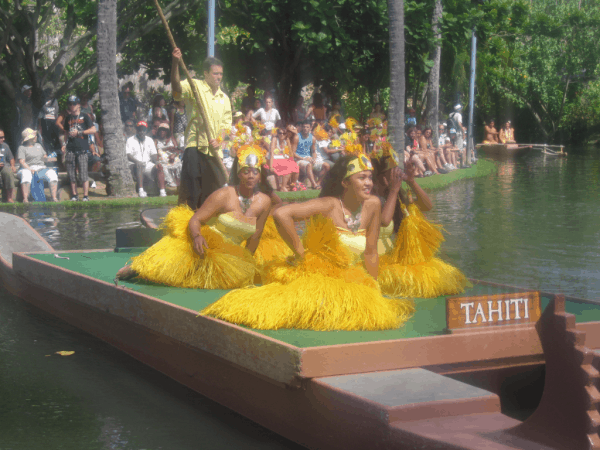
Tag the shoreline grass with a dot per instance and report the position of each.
(483, 168)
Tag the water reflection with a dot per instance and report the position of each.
(534, 223)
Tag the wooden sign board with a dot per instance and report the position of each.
(515, 308)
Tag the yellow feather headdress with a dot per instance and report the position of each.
(250, 156)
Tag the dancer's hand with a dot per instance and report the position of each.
(200, 244)
(396, 180)
(176, 53)
(409, 172)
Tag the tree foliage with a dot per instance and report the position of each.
(541, 57)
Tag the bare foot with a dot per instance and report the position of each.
(125, 273)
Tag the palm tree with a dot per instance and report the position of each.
(433, 88)
(397, 80)
(120, 182)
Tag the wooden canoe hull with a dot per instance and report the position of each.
(341, 395)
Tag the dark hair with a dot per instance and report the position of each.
(129, 85)
(209, 62)
(327, 127)
(156, 101)
(427, 128)
(379, 165)
(332, 184)
(318, 100)
(307, 122)
(263, 186)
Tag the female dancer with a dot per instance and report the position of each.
(409, 267)
(202, 249)
(321, 287)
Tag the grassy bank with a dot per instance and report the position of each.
(482, 168)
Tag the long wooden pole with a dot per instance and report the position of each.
(199, 101)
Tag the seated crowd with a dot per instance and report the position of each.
(299, 153)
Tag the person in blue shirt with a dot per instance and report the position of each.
(305, 153)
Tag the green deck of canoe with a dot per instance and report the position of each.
(429, 320)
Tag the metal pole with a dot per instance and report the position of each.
(470, 140)
(211, 28)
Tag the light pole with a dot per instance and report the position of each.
(470, 140)
(211, 27)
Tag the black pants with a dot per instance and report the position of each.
(200, 177)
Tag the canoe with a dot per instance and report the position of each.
(419, 386)
(505, 150)
(153, 217)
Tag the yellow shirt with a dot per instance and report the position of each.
(218, 111)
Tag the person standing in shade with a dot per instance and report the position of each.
(268, 115)
(76, 127)
(7, 164)
(201, 173)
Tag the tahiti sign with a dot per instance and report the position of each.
(514, 308)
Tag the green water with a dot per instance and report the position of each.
(534, 223)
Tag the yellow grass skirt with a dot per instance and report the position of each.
(411, 269)
(271, 247)
(321, 292)
(173, 261)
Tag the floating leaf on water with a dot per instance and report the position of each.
(65, 353)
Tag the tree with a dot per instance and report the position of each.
(50, 44)
(289, 43)
(433, 83)
(397, 80)
(542, 56)
(120, 182)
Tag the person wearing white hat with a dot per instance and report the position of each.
(31, 156)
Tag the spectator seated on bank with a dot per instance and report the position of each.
(158, 119)
(32, 156)
(158, 102)
(127, 103)
(143, 157)
(168, 155)
(7, 164)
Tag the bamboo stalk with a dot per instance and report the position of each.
(200, 104)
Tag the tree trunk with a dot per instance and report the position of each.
(120, 182)
(433, 83)
(397, 78)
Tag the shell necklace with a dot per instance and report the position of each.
(244, 202)
(352, 220)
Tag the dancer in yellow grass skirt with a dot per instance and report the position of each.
(202, 249)
(410, 268)
(321, 288)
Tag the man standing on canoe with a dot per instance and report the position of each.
(201, 174)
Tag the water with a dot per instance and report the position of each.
(534, 223)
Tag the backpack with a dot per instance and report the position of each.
(452, 123)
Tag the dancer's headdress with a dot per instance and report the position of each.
(250, 156)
